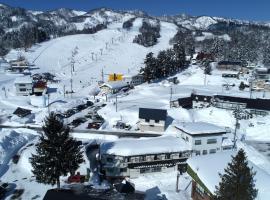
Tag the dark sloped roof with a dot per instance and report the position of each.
(21, 112)
(229, 63)
(154, 114)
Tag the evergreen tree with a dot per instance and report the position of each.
(149, 70)
(180, 55)
(237, 183)
(57, 153)
(242, 86)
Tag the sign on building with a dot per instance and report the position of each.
(115, 77)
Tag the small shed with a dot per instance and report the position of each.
(21, 112)
(152, 119)
(24, 86)
(113, 87)
(39, 87)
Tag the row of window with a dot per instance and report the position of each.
(209, 141)
(148, 120)
(149, 170)
(204, 152)
(24, 89)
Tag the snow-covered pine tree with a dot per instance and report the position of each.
(180, 55)
(57, 153)
(237, 183)
(149, 69)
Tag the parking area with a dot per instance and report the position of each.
(83, 116)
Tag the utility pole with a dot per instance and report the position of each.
(64, 90)
(171, 92)
(4, 88)
(48, 103)
(250, 90)
(92, 56)
(177, 181)
(102, 75)
(71, 86)
(116, 103)
(237, 116)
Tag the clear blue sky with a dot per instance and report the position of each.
(258, 10)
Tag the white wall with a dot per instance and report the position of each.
(151, 125)
(204, 145)
(28, 87)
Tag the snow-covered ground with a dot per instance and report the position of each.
(120, 56)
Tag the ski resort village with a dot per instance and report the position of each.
(114, 105)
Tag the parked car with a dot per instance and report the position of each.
(78, 121)
(89, 103)
(94, 125)
(76, 178)
(4, 188)
(69, 113)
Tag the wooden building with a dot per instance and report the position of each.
(229, 65)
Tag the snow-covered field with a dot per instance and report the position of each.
(120, 56)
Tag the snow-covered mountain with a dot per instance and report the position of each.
(43, 25)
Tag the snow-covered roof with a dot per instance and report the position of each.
(209, 173)
(24, 79)
(200, 128)
(227, 142)
(115, 84)
(142, 146)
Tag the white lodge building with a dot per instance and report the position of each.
(204, 138)
(132, 157)
(24, 86)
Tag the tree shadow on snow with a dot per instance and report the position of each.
(154, 194)
(169, 121)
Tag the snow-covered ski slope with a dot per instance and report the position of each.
(120, 56)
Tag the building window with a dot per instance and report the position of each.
(145, 170)
(204, 152)
(156, 169)
(156, 121)
(123, 169)
(127, 159)
(155, 157)
(199, 190)
(22, 89)
(198, 142)
(211, 141)
(212, 151)
(147, 120)
(143, 158)
(168, 156)
(197, 153)
(110, 160)
(187, 138)
(22, 85)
